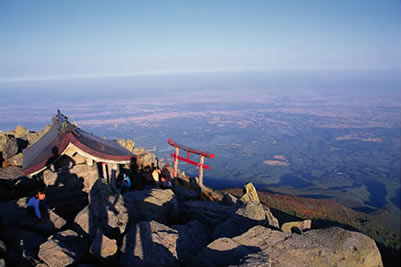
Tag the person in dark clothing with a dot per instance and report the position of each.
(165, 177)
(147, 174)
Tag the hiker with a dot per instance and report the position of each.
(35, 202)
(156, 174)
(165, 178)
(126, 183)
(147, 174)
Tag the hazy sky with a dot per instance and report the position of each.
(48, 39)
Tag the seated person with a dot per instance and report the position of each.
(36, 202)
(155, 175)
(165, 179)
(126, 183)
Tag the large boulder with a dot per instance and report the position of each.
(229, 199)
(21, 132)
(63, 249)
(266, 247)
(107, 211)
(155, 244)
(16, 160)
(250, 193)
(104, 249)
(245, 217)
(22, 246)
(207, 212)
(288, 227)
(8, 145)
(154, 204)
(89, 175)
(13, 212)
(128, 144)
(184, 194)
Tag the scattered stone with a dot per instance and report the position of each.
(154, 204)
(288, 227)
(63, 249)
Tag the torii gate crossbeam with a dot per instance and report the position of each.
(201, 164)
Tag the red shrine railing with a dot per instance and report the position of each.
(201, 164)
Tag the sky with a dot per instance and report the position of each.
(47, 40)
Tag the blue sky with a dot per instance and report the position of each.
(53, 39)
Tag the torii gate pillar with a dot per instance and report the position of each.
(201, 165)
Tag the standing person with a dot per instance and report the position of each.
(166, 179)
(37, 201)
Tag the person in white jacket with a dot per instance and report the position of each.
(35, 202)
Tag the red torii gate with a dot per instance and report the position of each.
(201, 165)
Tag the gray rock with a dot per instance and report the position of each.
(155, 244)
(271, 220)
(327, 247)
(16, 160)
(153, 204)
(192, 237)
(184, 194)
(107, 211)
(128, 144)
(23, 246)
(250, 193)
(209, 213)
(8, 146)
(63, 249)
(245, 217)
(3, 249)
(229, 199)
(223, 252)
(288, 227)
(104, 249)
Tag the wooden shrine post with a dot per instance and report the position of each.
(201, 165)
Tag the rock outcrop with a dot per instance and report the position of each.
(155, 244)
(8, 146)
(104, 249)
(261, 246)
(90, 223)
(154, 204)
(288, 227)
(63, 249)
(107, 211)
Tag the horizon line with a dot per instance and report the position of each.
(44, 78)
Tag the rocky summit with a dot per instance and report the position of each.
(91, 222)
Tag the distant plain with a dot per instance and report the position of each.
(320, 135)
